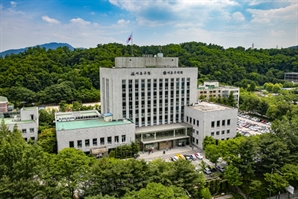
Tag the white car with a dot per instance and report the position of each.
(207, 171)
(199, 156)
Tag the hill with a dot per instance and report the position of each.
(52, 45)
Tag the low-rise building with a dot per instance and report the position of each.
(209, 119)
(26, 120)
(212, 89)
(90, 131)
(3, 104)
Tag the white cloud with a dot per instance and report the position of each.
(123, 22)
(238, 16)
(50, 20)
(80, 21)
(13, 4)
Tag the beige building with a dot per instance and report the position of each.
(3, 104)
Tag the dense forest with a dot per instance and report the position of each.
(43, 76)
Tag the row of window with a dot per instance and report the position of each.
(223, 123)
(101, 141)
(25, 130)
(192, 121)
(31, 138)
(222, 132)
(196, 141)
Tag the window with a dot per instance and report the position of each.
(94, 141)
(198, 123)
(193, 131)
(32, 138)
(109, 140)
(190, 120)
(217, 132)
(116, 139)
(228, 131)
(193, 140)
(87, 143)
(228, 122)
(194, 122)
(212, 133)
(218, 123)
(79, 142)
(102, 141)
(222, 132)
(24, 130)
(123, 138)
(197, 141)
(212, 124)
(71, 144)
(223, 122)
(197, 132)
(31, 130)
(25, 139)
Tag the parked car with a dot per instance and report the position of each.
(220, 168)
(188, 157)
(207, 171)
(174, 158)
(199, 156)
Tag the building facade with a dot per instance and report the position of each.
(152, 92)
(26, 120)
(3, 104)
(212, 89)
(291, 77)
(90, 131)
(209, 119)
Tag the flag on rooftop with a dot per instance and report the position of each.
(129, 38)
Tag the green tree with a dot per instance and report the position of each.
(47, 140)
(232, 175)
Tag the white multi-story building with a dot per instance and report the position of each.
(26, 120)
(152, 92)
(90, 131)
(209, 119)
(3, 104)
(212, 89)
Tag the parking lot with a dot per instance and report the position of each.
(247, 125)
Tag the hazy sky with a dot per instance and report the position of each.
(86, 23)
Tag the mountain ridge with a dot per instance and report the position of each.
(51, 45)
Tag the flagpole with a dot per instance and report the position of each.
(131, 43)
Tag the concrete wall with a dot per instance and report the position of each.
(65, 136)
(28, 125)
(205, 118)
(142, 62)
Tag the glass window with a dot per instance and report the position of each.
(32, 138)
(31, 130)
(218, 123)
(123, 137)
(190, 120)
(87, 143)
(228, 122)
(198, 123)
(94, 141)
(212, 133)
(186, 118)
(222, 132)
(116, 139)
(212, 124)
(197, 132)
(102, 141)
(228, 131)
(217, 132)
(24, 130)
(223, 122)
(109, 140)
(71, 144)
(193, 139)
(197, 141)
(79, 142)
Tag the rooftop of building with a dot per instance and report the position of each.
(13, 121)
(3, 99)
(213, 87)
(29, 108)
(88, 123)
(209, 107)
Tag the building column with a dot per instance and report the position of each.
(174, 133)
(142, 137)
(155, 135)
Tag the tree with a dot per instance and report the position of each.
(157, 190)
(231, 100)
(232, 175)
(212, 152)
(208, 140)
(47, 140)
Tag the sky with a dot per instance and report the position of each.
(86, 23)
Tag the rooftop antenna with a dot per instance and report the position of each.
(160, 48)
(252, 46)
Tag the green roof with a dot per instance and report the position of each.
(29, 108)
(91, 123)
(3, 99)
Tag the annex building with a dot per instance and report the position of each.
(209, 119)
(152, 92)
(26, 120)
(212, 89)
(92, 132)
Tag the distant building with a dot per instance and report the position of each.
(209, 119)
(152, 92)
(3, 104)
(212, 88)
(92, 132)
(291, 77)
(26, 120)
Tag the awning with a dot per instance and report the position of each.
(97, 151)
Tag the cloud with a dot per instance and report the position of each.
(50, 20)
(238, 16)
(13, 4)
(123, 22)
(80, 21)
